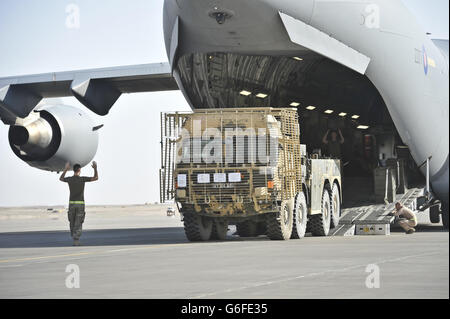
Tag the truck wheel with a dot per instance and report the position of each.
(261, 228)
(280, 227)
(445, 216)
(197, 228)
(336, 206)
(435, 215)
(300, 216)
(320, 224)
(247, 228)
(219, 229)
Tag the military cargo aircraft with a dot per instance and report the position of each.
(363, 63)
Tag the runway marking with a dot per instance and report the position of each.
(268, 283)
(10, 266)
(99, 252)
(42, 257)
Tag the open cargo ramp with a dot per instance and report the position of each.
(374, 219)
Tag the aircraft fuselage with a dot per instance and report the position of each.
(407, 69)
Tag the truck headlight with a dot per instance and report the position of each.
(181, 193)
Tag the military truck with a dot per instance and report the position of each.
(246, 167)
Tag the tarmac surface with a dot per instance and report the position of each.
(139, 252)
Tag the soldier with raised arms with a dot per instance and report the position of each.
(76, 211)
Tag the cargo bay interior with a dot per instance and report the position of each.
(327, 95)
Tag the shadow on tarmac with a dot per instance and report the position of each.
(105, 237)
(100, 237)
(421, 229)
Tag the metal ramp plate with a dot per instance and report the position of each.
(343, 230)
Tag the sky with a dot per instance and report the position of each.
(36, 38)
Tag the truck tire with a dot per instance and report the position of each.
(280, 227)
(197, 228)
(336, 206)
(261, 228)
(320, 223)
(247, 228)
(300, 216)
(445, 216)
(435, 215)
(219, 229)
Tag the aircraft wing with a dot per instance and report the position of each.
(97, 89)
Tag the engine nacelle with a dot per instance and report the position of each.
(53, 136)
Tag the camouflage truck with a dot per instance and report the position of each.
(246, 167)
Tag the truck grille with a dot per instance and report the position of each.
(224, 192)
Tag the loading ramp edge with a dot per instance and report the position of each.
(369, 216)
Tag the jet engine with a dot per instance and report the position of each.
(53, 136)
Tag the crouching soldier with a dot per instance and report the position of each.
(408, 219)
